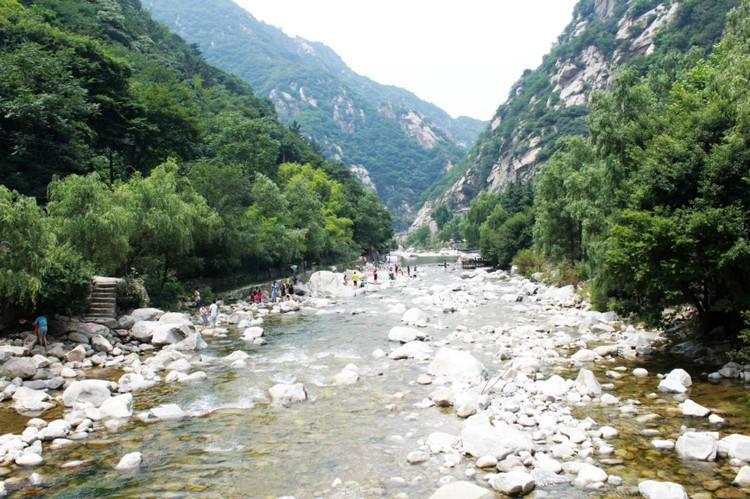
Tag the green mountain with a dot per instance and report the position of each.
(395, 142)
(552, 101)
(123, 152)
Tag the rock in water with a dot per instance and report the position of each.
(651, 489)
(90, 391)
(403, 334)
(457, 366)
(588, 474)
(513, 483)
(130, 462)
(462, 490)
(118, 407)
(288, 393)
(743, 477)
(415, 317)
(19, 367)
(700, 446)
(690, 408)
(587, 384)
(735, 446)
(484, 439)
(677, 381)
(101, 344)
(29, 402)
(167, 412)
(252, 332)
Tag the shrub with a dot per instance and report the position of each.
(131, 293)
(66, 283)
(528, 262)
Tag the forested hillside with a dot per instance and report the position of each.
(123, 152)
(395, 142)
(650, 208)
(553, 100)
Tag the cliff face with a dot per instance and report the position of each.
(552, 101)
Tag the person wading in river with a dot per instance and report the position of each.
(40, 327)
(355, 279)
(214, 309)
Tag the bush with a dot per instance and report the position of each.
(131, 293)
(528, 262)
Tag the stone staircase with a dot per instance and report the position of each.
(103, 300)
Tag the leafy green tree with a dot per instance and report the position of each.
(481, 208)
(251, 143)
(25, 239)
(85, 215)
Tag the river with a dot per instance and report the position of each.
(352, 441)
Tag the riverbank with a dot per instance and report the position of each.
(399, 391)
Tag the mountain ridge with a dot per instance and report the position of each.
(386, 134)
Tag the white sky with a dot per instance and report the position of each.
(462, 55)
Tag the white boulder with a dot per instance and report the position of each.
(651, 489)
(513, 483)
(462, 490)
(90, 391)
(699, 446)
(288, 393)
(130, 462)
(457, 366)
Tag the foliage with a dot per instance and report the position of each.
(129, 293)
(528, 262)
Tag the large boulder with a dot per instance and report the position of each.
(554, 387)
(87, 392)
(160, 333)
(166, 412)
(176, 318)
(328, 284)
(192, 343)
(677, 381)
(457, 366)
(78, 354)
(690, 408)
(30, 402)
(404, 334)
(587, 384)
(146, 314)
(18, 367)
(651, 489)
(483, 439)
(288, 393)
(251, 333)
(698, 445)
(132, 382)
(462, 490)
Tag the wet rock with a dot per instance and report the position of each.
(166, 412)
(462, 490)
(193, 343)
(288, 393)
(743, 477)
(513, 483)
(146, 314)
(443, 397)
(440, 442)
(735, 446)
(589, 474)
(690, 408)
(584, 355)
(251, 333)
(651, 489)
(412, 350)
(662, 444)
(88, 392)
(417, 457)
(730, 370)
(423, 379)
(677, 381)
(700, 446)
(639, 372)
(587, 384)
(58, 428)
(29, 459)
(415, 317)
(132, 382)
(404, 334)
(608, 432)
(715, 419)
(348, 375)
(18, 367)
(130, 462)
(483, 439)
(457, 366)
(28, 401)
(118, 407)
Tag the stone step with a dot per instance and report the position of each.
(97, 292)
(102, 299)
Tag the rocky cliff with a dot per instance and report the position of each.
(551, 101)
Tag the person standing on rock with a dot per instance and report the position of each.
(204, 315)
(197, 299)
(375, 273)
(355, 279)
(273, 292)
(40, 328)
(214, 309)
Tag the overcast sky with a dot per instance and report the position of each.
(462, 55)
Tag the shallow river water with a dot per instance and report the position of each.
(243, 446)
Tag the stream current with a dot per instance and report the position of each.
(351, 441)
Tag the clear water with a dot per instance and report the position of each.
(361, 433)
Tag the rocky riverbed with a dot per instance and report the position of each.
(451, 384)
